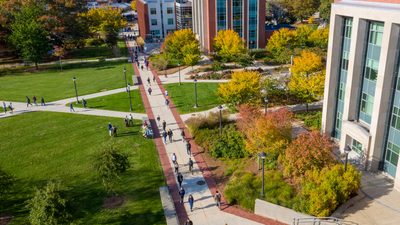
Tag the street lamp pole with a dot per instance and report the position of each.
(179, 69)
(195, 93)
(347, 150)
(262, 155)
(130, 99)
(126, 82)
(220, 120)
(76, 90)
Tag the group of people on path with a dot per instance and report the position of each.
(71, 106)
(9, 107)
(112, 130)
(28, 101)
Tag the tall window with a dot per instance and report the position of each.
(221, 15)
(237, 16)
(253, 23)
(153, 11)
(357, 146)
(371, 64)
(154, 22)
(344, 66)
(170, 21)
(170, 10)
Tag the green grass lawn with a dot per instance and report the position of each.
(117, 102)
(184, 98)
(97, 52)
(53, 84)
(38, 147)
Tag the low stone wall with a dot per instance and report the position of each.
(277, 212)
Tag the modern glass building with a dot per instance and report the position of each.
(246, 17)
(362, 87)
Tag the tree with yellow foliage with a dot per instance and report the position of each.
(133, 5)
(281, 45)
(228, 45)
(244, 87)
(106, 22)
(308, 77)
(180, 44)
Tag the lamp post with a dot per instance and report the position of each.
(262, 155)
(130, 99)
(126, 82)
(179, 72)
(76, 90)
(347, 150)
(195, 93)
(220, 119)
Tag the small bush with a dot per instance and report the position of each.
(312, 120)
(210, 121)
(94, 42)
(229, 145)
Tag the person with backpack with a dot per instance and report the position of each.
(217, 198)
(164, 134)
(176, 168)
(179, 177)
(170, 134)
(182, 194)
(164, 125)
(173, 158)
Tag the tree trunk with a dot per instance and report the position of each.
(36, 66)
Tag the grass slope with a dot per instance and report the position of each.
(97, 52)
(37, 147)
(53, 84)
(117, 102)
(184, 98)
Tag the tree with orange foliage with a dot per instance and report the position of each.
(248, 115)
(310, 150)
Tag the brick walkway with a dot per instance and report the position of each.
(205, 210)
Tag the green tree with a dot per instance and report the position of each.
(308, 77)
(281, 45)
(319, 38)
(302, 9)
(228, 45)
(325, 9)
(48, 207)
(110, 164)
(6, 182)
(244, 87)
(107, 22)
(181, 43)
(28, 35)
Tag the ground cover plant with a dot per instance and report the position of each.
(183, 96)
(116, 102)
(62, 147)
(311, 119)
(54, 84)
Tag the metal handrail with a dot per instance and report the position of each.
(322, 220)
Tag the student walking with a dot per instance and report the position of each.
(158, 120)
(182, 194)
(71, 107)
(110, 129)
(84, 103)
(170, 134)
(42, 103)
(148, 80)
(34, 100)
(11, 108)
(190, 163)
(176, 168)
(217, 198)
(183, 134)
(191, 202)
(164, 125)
(5, 108)
(28, 102)
(166, 93)
(188, 148)
(141, 67)
(149, 90)
(179, 177)
(154, 79)
(130, 120)
(164, 134)
(114, 131)
(166, 102)
(173, 158)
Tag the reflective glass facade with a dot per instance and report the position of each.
(237, 16)
(393, 138)
(371, 64)
(253, 23)
(221, 15)
(344, 66)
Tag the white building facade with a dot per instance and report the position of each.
(362, 86)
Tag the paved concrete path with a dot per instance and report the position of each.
(205, 210)
(60, 106)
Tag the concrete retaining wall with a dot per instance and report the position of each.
(277, 212)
